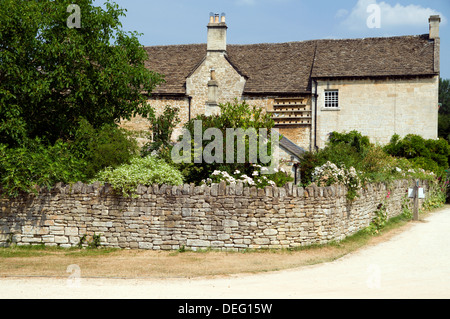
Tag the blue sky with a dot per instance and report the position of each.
(270, 21)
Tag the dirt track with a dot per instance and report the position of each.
(413, 264)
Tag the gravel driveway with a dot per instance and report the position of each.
(413, 264)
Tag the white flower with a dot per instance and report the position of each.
(237, 172)
(255, 173)
(216, 172)
(398, 169)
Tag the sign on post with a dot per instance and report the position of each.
(421, 194)
(416, 193)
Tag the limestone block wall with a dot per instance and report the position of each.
(230, 83)
(380, 108)
(166, 217)
(141, 125)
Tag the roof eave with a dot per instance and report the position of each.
(381, 76)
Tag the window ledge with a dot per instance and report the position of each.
(332, 109)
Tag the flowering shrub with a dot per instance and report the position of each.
(379, 221)
(141, 171)
(407, 171)
(329, 174)
(257, 178)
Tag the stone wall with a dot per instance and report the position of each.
(170, 217)
(141, 125)
(230, 84)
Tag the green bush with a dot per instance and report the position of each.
(22, 168)
(355, 139)
(232, 115)
(107, 146)
(35, 162)
(411, 157)
(160, 133)
(379, 221)
(141, 171)
(343, 149)
(427, 154)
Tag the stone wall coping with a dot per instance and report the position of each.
(216, 189)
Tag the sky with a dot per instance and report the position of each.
(274, 21)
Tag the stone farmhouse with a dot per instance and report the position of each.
(377, 86)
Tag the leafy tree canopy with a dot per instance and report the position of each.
(51, 75)
(444, 96)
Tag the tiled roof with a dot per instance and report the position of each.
(278, 67)
(175, 62)
(371, 57)
(288, 67)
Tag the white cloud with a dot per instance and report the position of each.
(341, 13)
(391, 16)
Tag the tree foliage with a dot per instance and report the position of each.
(107, 146)
(236, 115)
(52, 75)
(161, 128)
(63, 91)
(444, 110)
(410, 156)
(428, 154)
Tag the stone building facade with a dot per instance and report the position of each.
(378, 86)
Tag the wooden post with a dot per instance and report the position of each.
(416, 202)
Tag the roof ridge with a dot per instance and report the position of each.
(425, 35)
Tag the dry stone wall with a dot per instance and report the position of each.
(224, 217)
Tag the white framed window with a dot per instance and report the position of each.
(332, 99)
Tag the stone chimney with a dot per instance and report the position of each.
(217, 33)
(434, 35)
(434, 26)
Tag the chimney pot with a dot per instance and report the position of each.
(217, 34)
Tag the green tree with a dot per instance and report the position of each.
(52, 75)
(160, 132)
(444, 110)
(107, 146)
(234, 115)
(64, 89)
(444, 96)
(427, 154)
